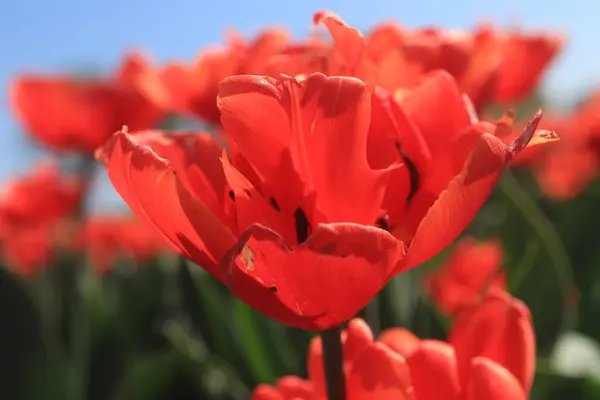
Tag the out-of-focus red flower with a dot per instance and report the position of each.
(32, 211)
(79, 114)
(403, 367)
(105, 238)
(471, 269)
(192, 89)
(394, 58)
(27, 250)
(483, 61)
(565, 174)
(564, 171)
(287, 219)
(524, 57)
(43, 197)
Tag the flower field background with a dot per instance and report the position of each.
(410, 185)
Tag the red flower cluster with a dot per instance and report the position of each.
(490, 354)
(482, 61)
(107, 238)
(332, 184)
(32, 212)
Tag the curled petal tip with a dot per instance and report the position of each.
(524, 138)
(322, 15)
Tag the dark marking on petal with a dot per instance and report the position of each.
(231, 195)
(413, 173)
(302, 226)
(274, 204)
(383, 223)
(328, 248)
(273, 289)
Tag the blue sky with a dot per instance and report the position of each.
(41, 35)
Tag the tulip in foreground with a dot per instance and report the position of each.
(329, 189)
(490, 355)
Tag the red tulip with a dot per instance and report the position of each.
(77, 114)
(279, 223)
(286, 221)
(422, 370)
(471, 269)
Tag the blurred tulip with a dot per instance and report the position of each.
(471, 269)
(79, 114)
(192, 89)
(32, 212)
(106, 238)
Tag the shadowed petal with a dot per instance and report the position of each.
(379, 373)
(149, 185)
(307, 137)
(433, 371)
(319, 284)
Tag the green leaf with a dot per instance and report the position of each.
(21, 340)
(251, 337)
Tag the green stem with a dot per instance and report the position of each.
(333, 363)
(80, 335)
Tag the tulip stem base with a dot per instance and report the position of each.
(333, 363)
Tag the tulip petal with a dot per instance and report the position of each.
(355, 338)
(348, 41)
(379, 373)
(460, 202)
(196, 158)
(358, 335)
(534, 53)
(438, 110)
(150, 186)
(491, 381)
(252, 208)
(319, 284)
(500, 329)
(434, 361)
(400, 340)
(266, 392)
(294, 388)
(323, 151)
